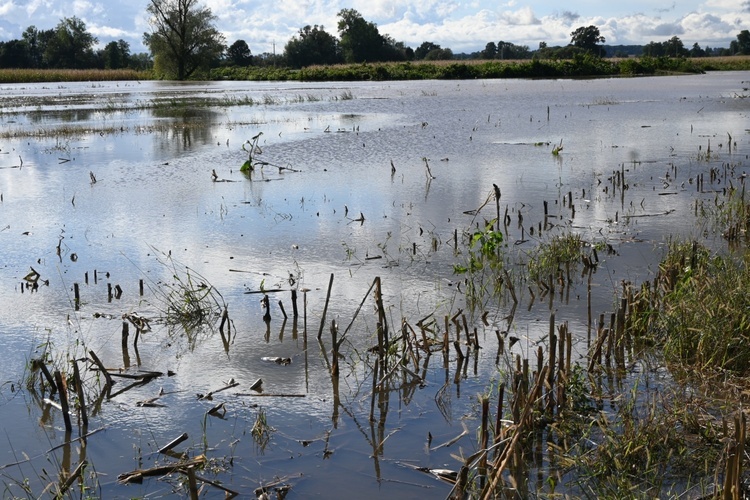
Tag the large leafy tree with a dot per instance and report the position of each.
(313, 45)
(37, 41)
(587, 38)
(490, 51)
(742, 44)
(239, 53)
(71, 46)
(360, 40)
(14, 54)
(674, 47)
(116, 55)
(424, 49)
(183, 37)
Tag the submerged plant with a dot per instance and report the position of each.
(550, 257)
(189, 300)
(484, 262)
(261, 430)
(252, 149)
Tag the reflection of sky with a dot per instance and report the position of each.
(154, 192)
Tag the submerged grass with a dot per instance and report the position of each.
(553, 257)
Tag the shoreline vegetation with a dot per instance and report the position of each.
(579, 67)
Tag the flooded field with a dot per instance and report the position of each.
(124, 206)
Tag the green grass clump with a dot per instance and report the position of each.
(550, 258)
(644, 450)
(698, 309)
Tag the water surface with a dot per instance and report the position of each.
(375, 180)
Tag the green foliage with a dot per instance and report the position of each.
(183, 38)
(313, 45)
(587, 38)
(483, 263)
(239, 53)
(642, 449)
(484, 249)
(71, 46)
(116, 55)
(743, 42)
(252, 149)
(683, 312)
(548, 258)
(360, 40)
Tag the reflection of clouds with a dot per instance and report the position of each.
(154, 189)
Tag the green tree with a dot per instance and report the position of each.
(71, 46)
(313, 45)
(141, 61)
(425, 49)
(395, 51)
(116, 55)
(239, 53)
(508, 50)
(653, 49)
(674, 47)
(360, 40)
(14, 54)
(587, 38)
(490, 51)
(36, 42)
(439, 55)
(697, 51)
(743, 42)
(183, 37)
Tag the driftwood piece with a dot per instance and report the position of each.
(258, 394)
(231, 384)
(137, 475)
(102, 369)
(173, 443)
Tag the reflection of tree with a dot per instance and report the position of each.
(186, 128)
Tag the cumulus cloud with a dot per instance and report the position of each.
(461, 26)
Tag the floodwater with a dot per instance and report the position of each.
(141, 181)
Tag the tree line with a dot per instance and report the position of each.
(184, 42)
(68, 46)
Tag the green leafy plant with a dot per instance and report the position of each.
(252, 149)
(484, 247)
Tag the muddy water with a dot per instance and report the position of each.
(354, 197)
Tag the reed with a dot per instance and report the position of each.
(10, 75)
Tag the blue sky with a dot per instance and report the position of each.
(460, 26)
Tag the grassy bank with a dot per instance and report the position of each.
(584, 66)
(579, 67)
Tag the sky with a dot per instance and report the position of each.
(267, 25)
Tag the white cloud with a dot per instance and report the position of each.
(461, 26)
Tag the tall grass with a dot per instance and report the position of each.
(698, 309)
(580, 66)
(70, 75)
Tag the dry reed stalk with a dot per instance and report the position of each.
(325, 307)
(62, 389)
(551, 367)
(501, 462)
(65, 486)
(79, 392)
(102, 369)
